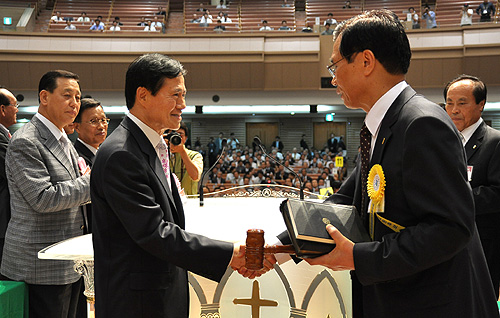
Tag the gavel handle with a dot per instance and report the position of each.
(275, 249)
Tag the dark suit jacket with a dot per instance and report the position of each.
(435, 267)
(483, 154)
(278, 145)
(85, 153)
(332, 145)
(141, 249)
(88, 156)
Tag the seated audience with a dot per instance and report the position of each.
(114, 26)
(219, 27)
(97, 26)
(57, 18)
(69, 26)
(330, 20)
(83, 18)
(284, 26)
(265, 27)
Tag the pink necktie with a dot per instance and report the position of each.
(165, 163)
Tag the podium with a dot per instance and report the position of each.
(290, 290)
(78, 249)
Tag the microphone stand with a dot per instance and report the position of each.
(259, 143)
(200, 187)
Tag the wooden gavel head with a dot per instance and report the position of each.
(255, 250)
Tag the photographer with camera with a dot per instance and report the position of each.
(186, 164)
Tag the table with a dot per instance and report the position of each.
(13, 300)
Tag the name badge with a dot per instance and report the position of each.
(469, 173)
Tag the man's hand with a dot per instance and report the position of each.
(179, 148)
(238, 263)
(341, 258)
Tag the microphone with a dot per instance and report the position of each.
(259, 143)
(200, 187)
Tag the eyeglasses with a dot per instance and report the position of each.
(332, 68)
(14, 105)
(95, 122)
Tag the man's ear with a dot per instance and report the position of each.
(482, 105)
(369, 61)
(141, 95)
(44, 95)
(77, 127)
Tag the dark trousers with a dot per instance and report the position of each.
(491, 247)
(54, 301)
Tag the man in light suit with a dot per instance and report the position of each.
(141, 251)
(47, 190)
(465, 98)
(429, 263)
(8, 111)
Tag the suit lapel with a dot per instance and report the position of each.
(150, 152)
(475, 141)
(54, 147)
(385, 132)
(84, 152)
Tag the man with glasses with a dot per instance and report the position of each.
(186, 164)
(8, 111)
(91, 124)
(424, 258)
(47, 190)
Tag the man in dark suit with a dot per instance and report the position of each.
(46, 189)
(8, 111)
(91, 124)
(141, 251)
(425, 258)
(465, 98)
(332, 143)
(278, 144)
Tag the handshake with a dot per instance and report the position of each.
(254, 259)
(239, 262)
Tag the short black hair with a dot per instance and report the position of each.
(149, 71)
(184, 127)
(87, 103)
(380, 32)
(479, 91)
(4, 100)
(48, 82)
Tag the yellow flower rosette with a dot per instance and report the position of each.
(376, 188)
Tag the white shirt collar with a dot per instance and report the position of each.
(52, 128)
(92, 149)
(373, 119)
(152, 135)
(469, 131)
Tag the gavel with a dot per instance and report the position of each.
(255, 250)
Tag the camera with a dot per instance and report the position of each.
(174, 138)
